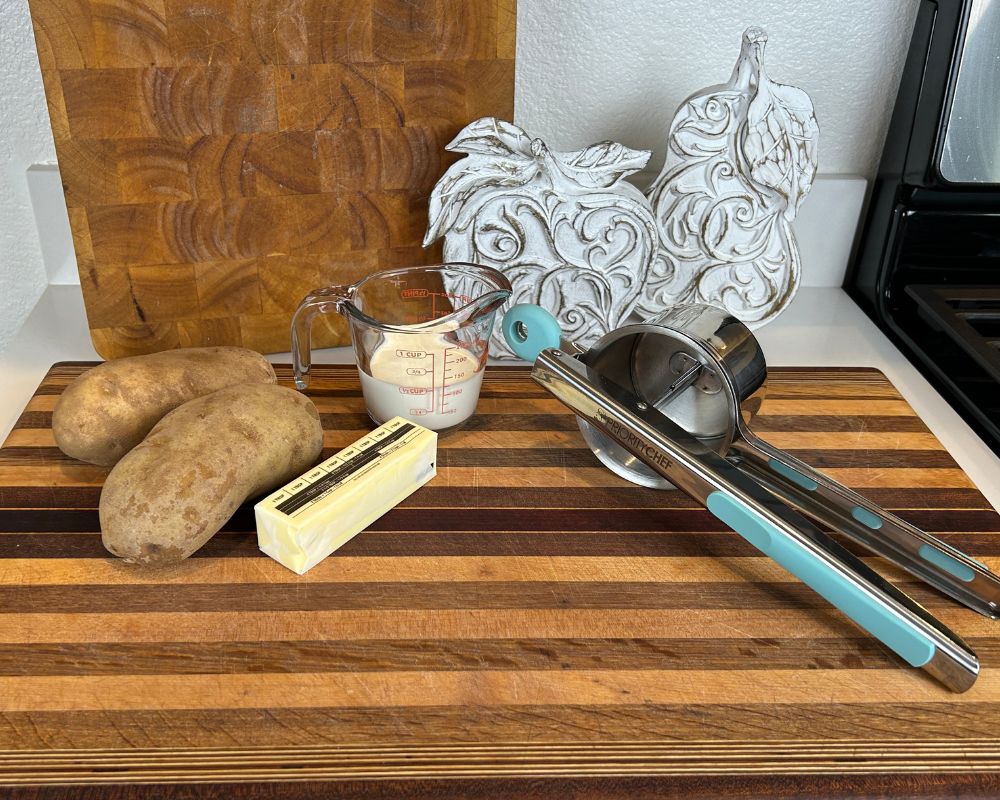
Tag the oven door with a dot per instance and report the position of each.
(927, 265)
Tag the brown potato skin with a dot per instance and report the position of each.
(177, 488)
(108, 410)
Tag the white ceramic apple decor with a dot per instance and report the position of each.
(568, 232)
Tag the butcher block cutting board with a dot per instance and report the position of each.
(223, 158)
(527, 624)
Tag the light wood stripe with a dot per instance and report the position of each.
(865, 440)
(418, 569)
(784, 387)
(69, 475)
(216, 626)
(793, 440)
(479, 688)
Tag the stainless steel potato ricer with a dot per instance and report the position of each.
(659, 403)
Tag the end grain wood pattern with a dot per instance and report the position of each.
(527, 616)
(223, 158)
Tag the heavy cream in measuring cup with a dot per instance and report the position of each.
(425, 377)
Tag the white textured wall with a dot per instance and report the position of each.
(589, 70)
(25, 139)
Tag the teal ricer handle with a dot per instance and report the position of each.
(764, 520)
(529, 329)
(830, 581)
(833, 572)
(835, 506)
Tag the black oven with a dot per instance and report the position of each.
(927, 263)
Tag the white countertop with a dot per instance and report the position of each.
(822, 327)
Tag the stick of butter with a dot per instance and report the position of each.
(302, 523)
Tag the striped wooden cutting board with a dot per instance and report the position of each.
(525, 619)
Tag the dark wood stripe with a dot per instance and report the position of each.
(461, 543)
(625, 786)
(212, 727)
(820, 394)
(634, 497)
(528, 457)
(567, 422)
(52, 389)
(49, 389)
(838, 424)
(581, 457)
(284, 370)
(816, 373)
(231, 658)
(34, 419)
(504, 519)
(889, 459)
(530, 497)
(565, 595)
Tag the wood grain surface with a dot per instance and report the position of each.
(527, 624)
(223, 158)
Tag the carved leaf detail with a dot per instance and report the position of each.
(491, 136)
(466, 177)
(601, 165)
(780, 140)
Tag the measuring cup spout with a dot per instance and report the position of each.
(486, 303)
(480, 307)
(322, 301)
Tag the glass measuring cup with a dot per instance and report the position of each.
(420, 335)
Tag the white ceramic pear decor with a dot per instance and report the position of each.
(567, 231)
(740, 159)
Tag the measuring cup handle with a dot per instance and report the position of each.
(529, 329)
(321, 301)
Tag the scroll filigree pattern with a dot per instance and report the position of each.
(740, 159)
(566, 230)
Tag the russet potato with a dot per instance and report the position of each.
(108, 410)
(180, 485)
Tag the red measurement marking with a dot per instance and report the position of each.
(413, 390)
(411, 354)
(430, 396)
(446, 374)
(412, 294)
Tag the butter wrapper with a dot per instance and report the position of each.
(303, 522)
